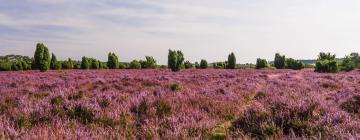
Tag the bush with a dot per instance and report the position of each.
(54, 64)
(261, 63)
(279, 61)
(231, 61)
(326, 63)
(95, 64)
(68, 64)
(294, 64)
(41, 58)
(175, 60)
(113, 61)
(197, 65)
(135, 65)
(5, 66)
(203, 64)
(150, 63)
(81, 114)
(188, 65)
(347, 64)
(219, 65)
(85, 63)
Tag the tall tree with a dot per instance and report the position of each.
(85, 63)
(175, 60)
(54, 64)
(41, 58)
(231, 61)
(279, 61)
(113, 61)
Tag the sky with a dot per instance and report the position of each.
(202, 29)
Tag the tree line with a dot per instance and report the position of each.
(43, 61)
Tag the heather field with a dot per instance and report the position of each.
(191, 104)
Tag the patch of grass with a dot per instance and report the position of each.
(82, 114)
(162, 108)
(76, 96)
(175, 87)
(59, 100)
(107, 122)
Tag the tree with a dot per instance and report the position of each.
(85, 63)
(197, 65)
(188, 65)
(326, 63)
(68, 64)
(149, 63)
(347, 64)
(279, 61)
(54, 64)
(175, 60)
(41, 58)
(294, 64)
(261, 63)
(135, 64)
(94, 64)
(113, 61)
(231, 61)
(203, 64)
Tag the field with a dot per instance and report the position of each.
(191, 104)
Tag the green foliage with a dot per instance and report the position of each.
(279, 61)
(135, 64)
(203, 64)
(41, 58)
(85, 63)
(175, 87)
(68, 64)
(347, 64)
(294, 64)
(231, 61)
(113, 61)
(82, 114)
(326, 63)
(162, 108)
(261, 63)
(54, 64)
(149, 63)
(188, 65)
(5, 66)
(95, 64)
(197, 65)
(175, 60)
(220, 65)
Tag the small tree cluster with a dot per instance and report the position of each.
(69, 64)
(294, 64)
(54, 64)
(135, 64)
(113, 61)
(188, 65)
(326, 63)
(220, 65)
(175, 60)
(203, 64)
(279, 61)
(149, 63)
(231, 61)
(41, 58)
(261, 63)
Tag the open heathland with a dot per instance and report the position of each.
(190, 104)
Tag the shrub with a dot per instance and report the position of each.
(85, 63)
(261, 63)
(82, 114)
(150, 63)
(197, 65)
(162, 108)
(279, 61)
(326, 63)
(347, 64)
(95, 64)
(68, 64)
(175, 60)
(203, 64)
(41, 58)
(231, 61)
(135, 64)
(17, 66)
(188, 65)
(5, 66)
(113, 61)
(175, 87)
(294, 64)
(54, 64)
(219, 65)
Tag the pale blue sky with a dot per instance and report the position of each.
(202, 29)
